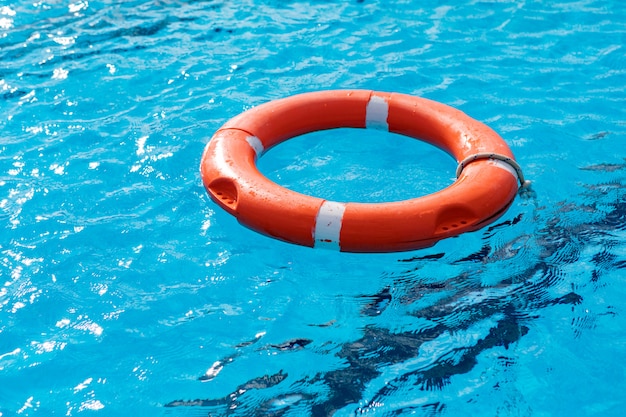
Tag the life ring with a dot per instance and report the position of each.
(487, 181)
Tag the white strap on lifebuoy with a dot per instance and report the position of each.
(376, 113)
(328, 225)
(256, 144)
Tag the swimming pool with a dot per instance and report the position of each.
(125, 290)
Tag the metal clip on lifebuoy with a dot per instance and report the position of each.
(524, 183)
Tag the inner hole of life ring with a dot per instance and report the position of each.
(358, 165)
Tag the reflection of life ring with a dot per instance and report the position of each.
(486, 184)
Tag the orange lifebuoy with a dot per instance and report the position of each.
(487, 178)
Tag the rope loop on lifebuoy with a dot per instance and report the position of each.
(488, 177)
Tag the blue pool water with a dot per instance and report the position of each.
(125, 291)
